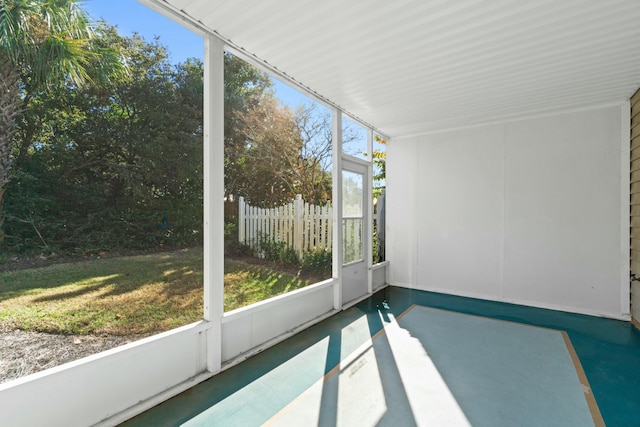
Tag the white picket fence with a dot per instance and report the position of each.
(300, 225)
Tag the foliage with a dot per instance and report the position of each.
(46, 41)
(280, 153)
(379, 159)
(271, 141)
(244, 86)
(44, 44)
(312, 169)
(318, 262)
(232, 247)
(378, 248)
(379, 182)
(115, 163)
(278, 251)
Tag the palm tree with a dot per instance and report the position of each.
(42, 42)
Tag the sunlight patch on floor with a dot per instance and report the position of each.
(387, 381)
(431, 401)
(352, 394)
(272, 390)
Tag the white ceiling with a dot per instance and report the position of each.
(415, 66)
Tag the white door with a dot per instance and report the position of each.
(355, 229)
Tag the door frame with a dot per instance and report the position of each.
(354, 164)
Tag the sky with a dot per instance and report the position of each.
(130, 16)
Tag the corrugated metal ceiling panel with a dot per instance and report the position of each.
(409, 67)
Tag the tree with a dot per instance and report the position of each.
(117, 162)
(379, 167)
(282, 153)
(114, 163)
(244, 87)
(269, 150)
(41, 43)
(312, 171)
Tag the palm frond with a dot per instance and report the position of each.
(70, 56)
(16, 38)
(46, 39)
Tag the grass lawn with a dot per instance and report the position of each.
(143, 294)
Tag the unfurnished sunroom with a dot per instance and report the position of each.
(509, 168)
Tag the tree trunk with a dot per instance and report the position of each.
(9, 105)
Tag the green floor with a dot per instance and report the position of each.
(408, 357)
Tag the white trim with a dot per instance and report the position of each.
(625, 203)
(369, 218)
(355, 301)
(381, 287)
(113, 400)
(380, 265)
(336, 179)
(260, 348)
(130, 348)
(358, 161)
(159, 398)
(213, 196)
(170, 12)
(358, 261)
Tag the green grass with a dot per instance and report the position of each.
(246, 284)
(142, 294)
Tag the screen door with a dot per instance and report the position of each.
(354, 231)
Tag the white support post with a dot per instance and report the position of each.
(369, 211)
(369, 218)
(213, 198)
(337, 208)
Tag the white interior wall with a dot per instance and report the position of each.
(528, 211)
(401, 240)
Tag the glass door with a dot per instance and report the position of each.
(355, 229)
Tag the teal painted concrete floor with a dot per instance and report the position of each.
(406, 357)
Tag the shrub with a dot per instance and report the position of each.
(278, 251)
(231, 244)
(317, 261)
(233, 247)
